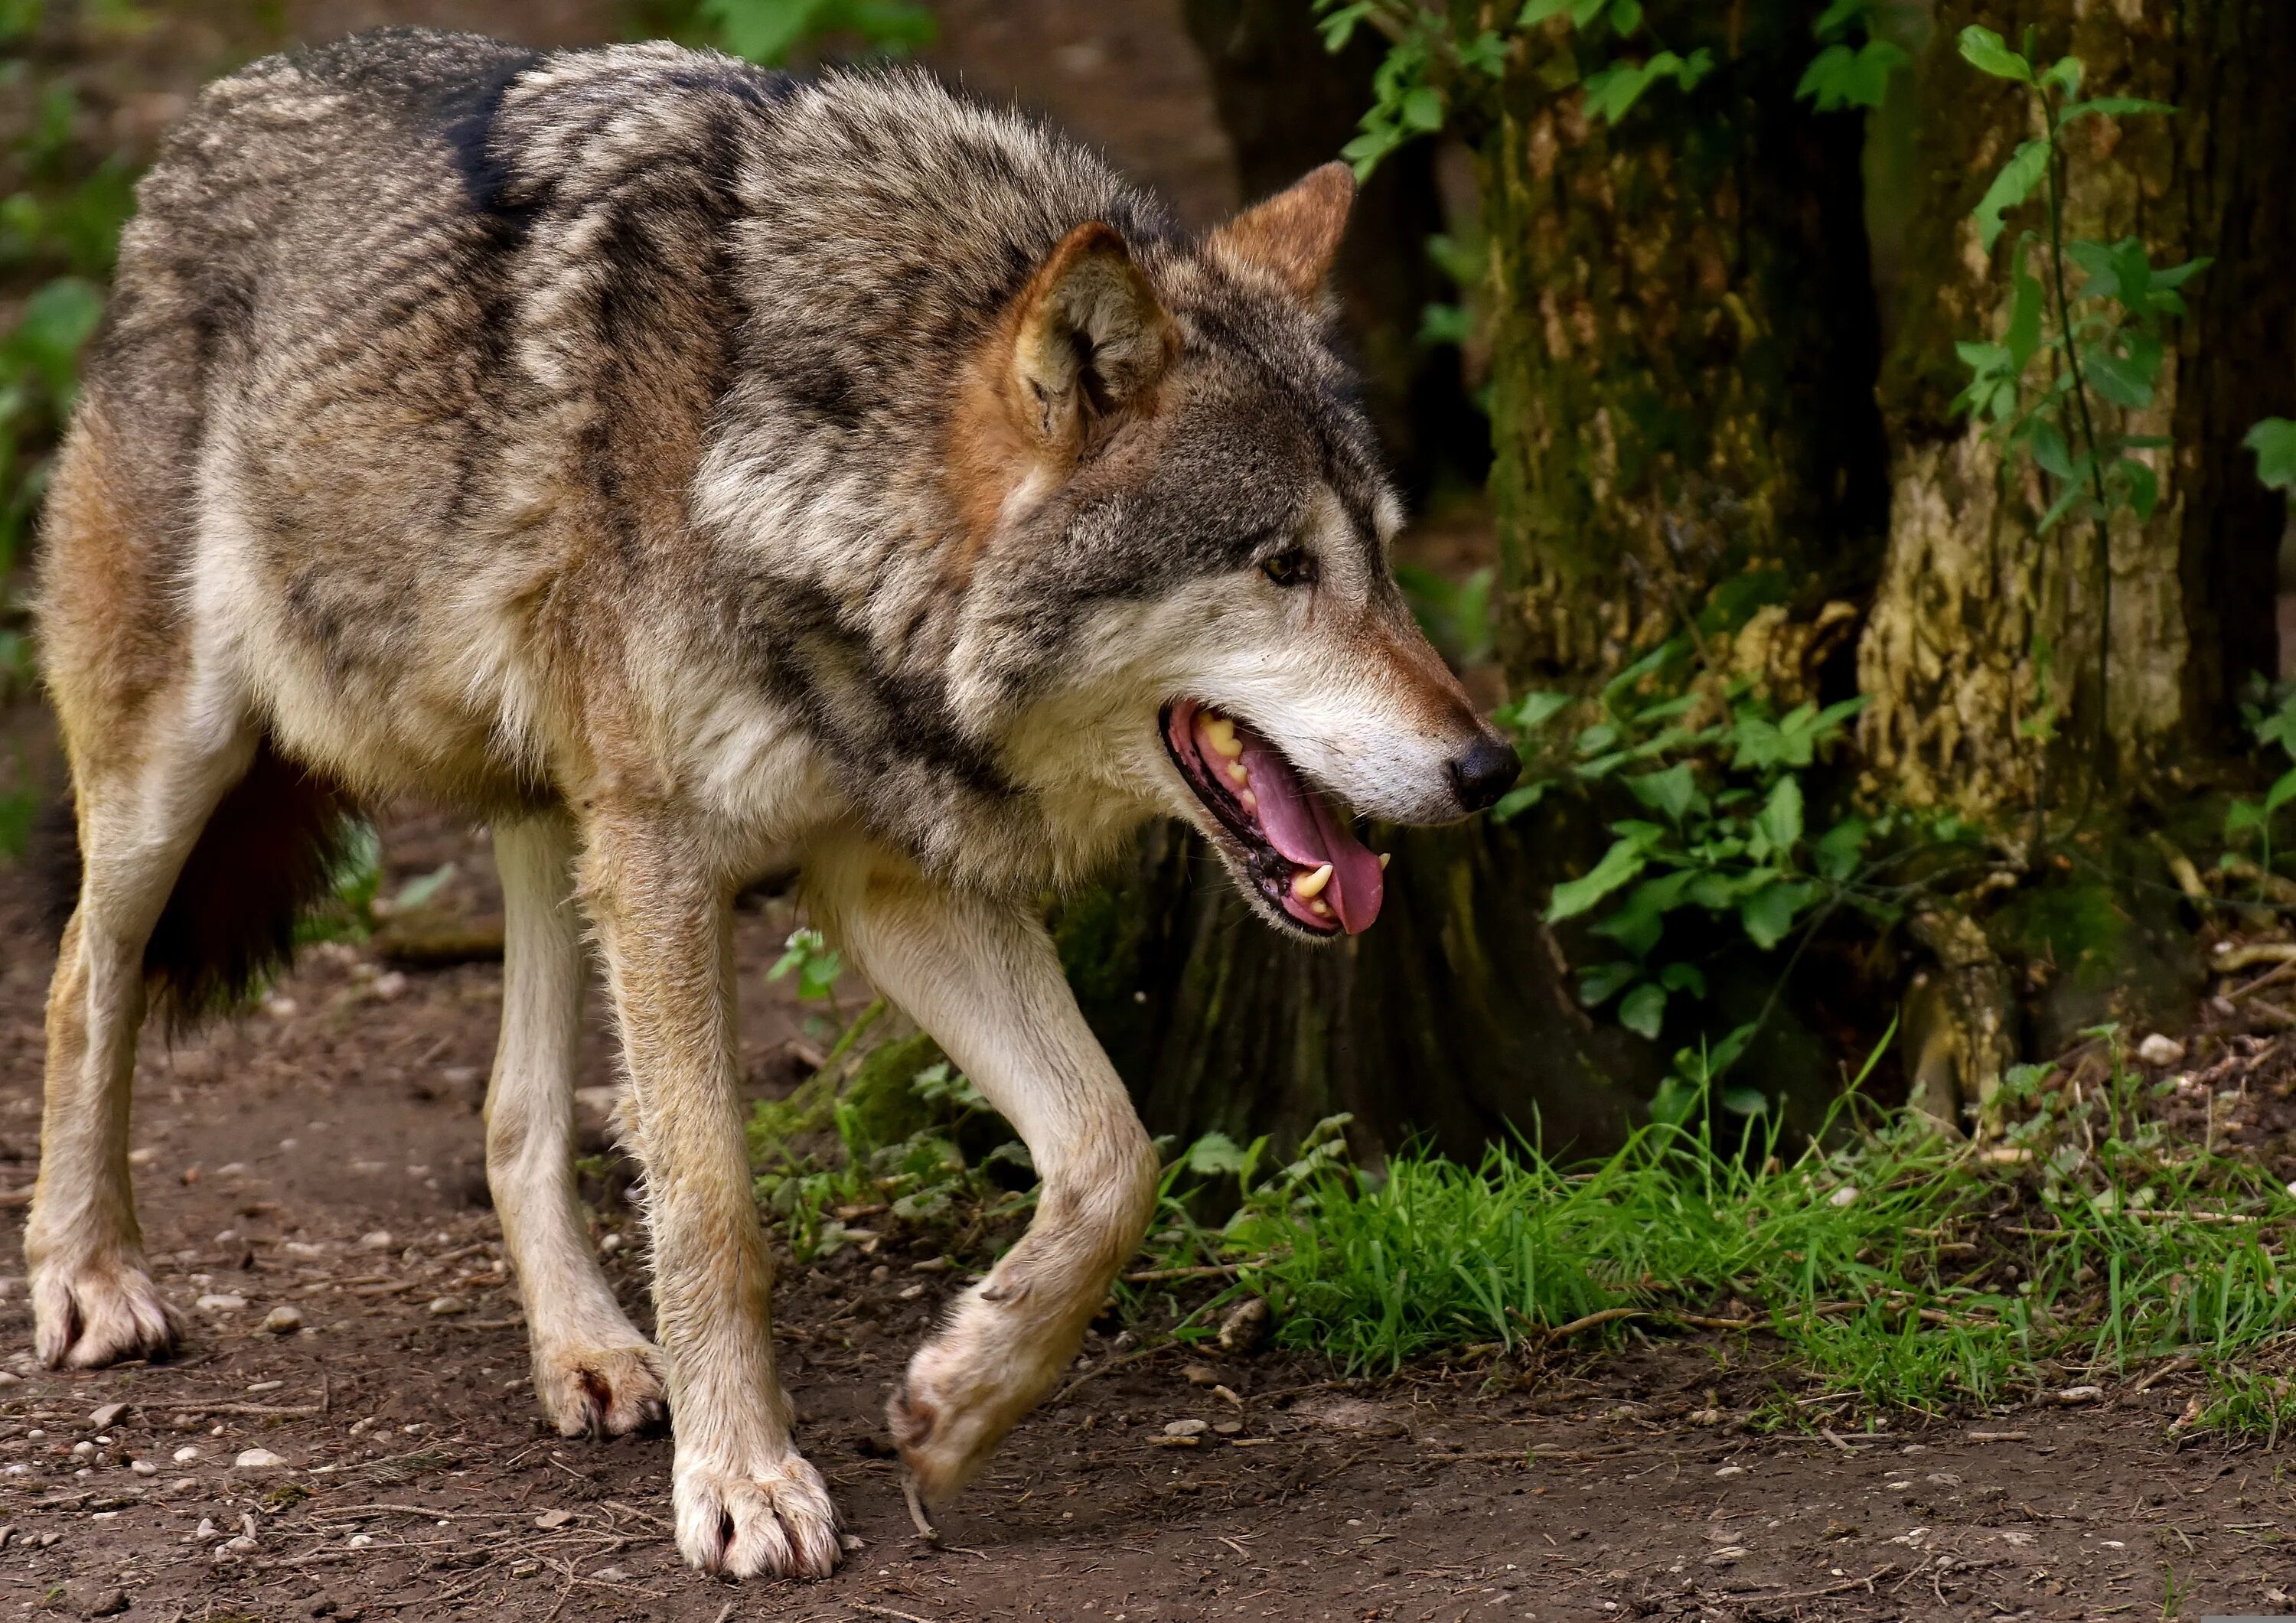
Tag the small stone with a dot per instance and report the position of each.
(553, 1518)
(183, 1485)
(144, 1468)
(106, 1417)
(1186, 1428)
(186, 1455)
(221, 1302)
(362, 1541)
(257, 1459)
(2161, 1050)
(242, 1544)
(1847, 1195)
(2073, 1395)
(1726, 1555)
(208, 1530)
(446, 1307)
(109, 1604)
(611, 1575)
(1244, 1327)
(378, 1240)
(283, 1321)
(1227, 1428)
(1731, 1471)
(1200, 1375)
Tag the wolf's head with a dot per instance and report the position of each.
(1164, 472)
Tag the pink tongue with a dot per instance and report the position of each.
(1303, 829)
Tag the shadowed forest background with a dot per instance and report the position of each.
(1850, 447)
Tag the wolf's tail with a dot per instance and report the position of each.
(269, 851)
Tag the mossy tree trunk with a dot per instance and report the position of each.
(1684, 356)
(1980, 623)
(1685, 345)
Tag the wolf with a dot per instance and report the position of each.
(694, 473)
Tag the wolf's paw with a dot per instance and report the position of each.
(601, 1392)
(98, 1311)
(771, 1521)
(955, 1407)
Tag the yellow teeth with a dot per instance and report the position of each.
(1307, 887)
(1384, 855)
(1247, 801)
(1220, 733)
(1321, 910)
(1238, 773)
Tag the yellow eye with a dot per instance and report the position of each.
(1291, 567)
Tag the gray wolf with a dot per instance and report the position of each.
(694, 472)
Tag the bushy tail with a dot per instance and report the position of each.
(266, 855)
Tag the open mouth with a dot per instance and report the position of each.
(1300, 853)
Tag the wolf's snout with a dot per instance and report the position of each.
(1487, 771)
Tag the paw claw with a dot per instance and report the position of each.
(100, 1312)
(775, 1522)
(601, 1393)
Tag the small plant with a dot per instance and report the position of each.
(1721, 777)
(1846, 75)
(769, 31)
(2273, 725)
(2067, 354)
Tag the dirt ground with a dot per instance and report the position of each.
(323, 1155)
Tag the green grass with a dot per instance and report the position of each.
(1896, 1268)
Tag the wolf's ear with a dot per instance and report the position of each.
(1091, 337)
(1294, 236)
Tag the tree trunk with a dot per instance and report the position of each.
(1981, 624)
(1287, 105)
(1685, 350)
(1686, 347)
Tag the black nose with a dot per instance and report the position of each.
(1485, 772)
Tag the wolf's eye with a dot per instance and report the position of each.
(1291, 567)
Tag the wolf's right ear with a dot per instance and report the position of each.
(1090, 337)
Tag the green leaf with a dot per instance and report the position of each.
(1641, 919)
(2011, 188)
(1779, 821)
(1840, 849)
(1742, 1100)
(2063, 75)
(1423, 109)
(1842, 77)
(1683, 977)
(1839, 16)
(764, 30)
(1982, 49)
(1625, 15)
(1599, 985)
(2024, 334)
(2114, 107)
(1531, 711)
(1670, 793)
(1622, 863)
(2047, 444)
(2125, 380)
(1769, 914)
(2141, 484)
(54, 323)
(2241, 816)
(1212, 1155)
(1643, 1011)
(2274, 441)
(2281, 792)
(1521, 799)
(2073, 495)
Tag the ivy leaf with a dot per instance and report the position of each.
(1622, 863)
(1643, 1011)
(2143, 486)
(1531, 711)
(1839, 16)
(1423, 108)
(1743, 1101)
(2280, 793)
(2047, 443)
(2241, 816)
(1625, 15)
(2011, 188)
(1982, 49)
(1641, 919)
(2125, 380)
(1521, 799)
(2274, 441)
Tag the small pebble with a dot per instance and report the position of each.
(107, 1417)
(1847, 1195)
(2159, 1049)
(551, 1519)
(221, 1302)
(257, 1459)
(144, 1468)
(446, 1307)
(378, 1240)
(1186, 1428)
(185, 1454)
(1731, 1471)
(207, 1530)
(283, 1321)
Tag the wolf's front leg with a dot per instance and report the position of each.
(746, 1502)
(982, 977)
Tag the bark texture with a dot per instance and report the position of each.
(1683, 351)
(1980, 623)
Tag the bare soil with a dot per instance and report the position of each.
(324, 1154)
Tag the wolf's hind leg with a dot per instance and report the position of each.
(139, 815)
(594, 1373)
(983, 978)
